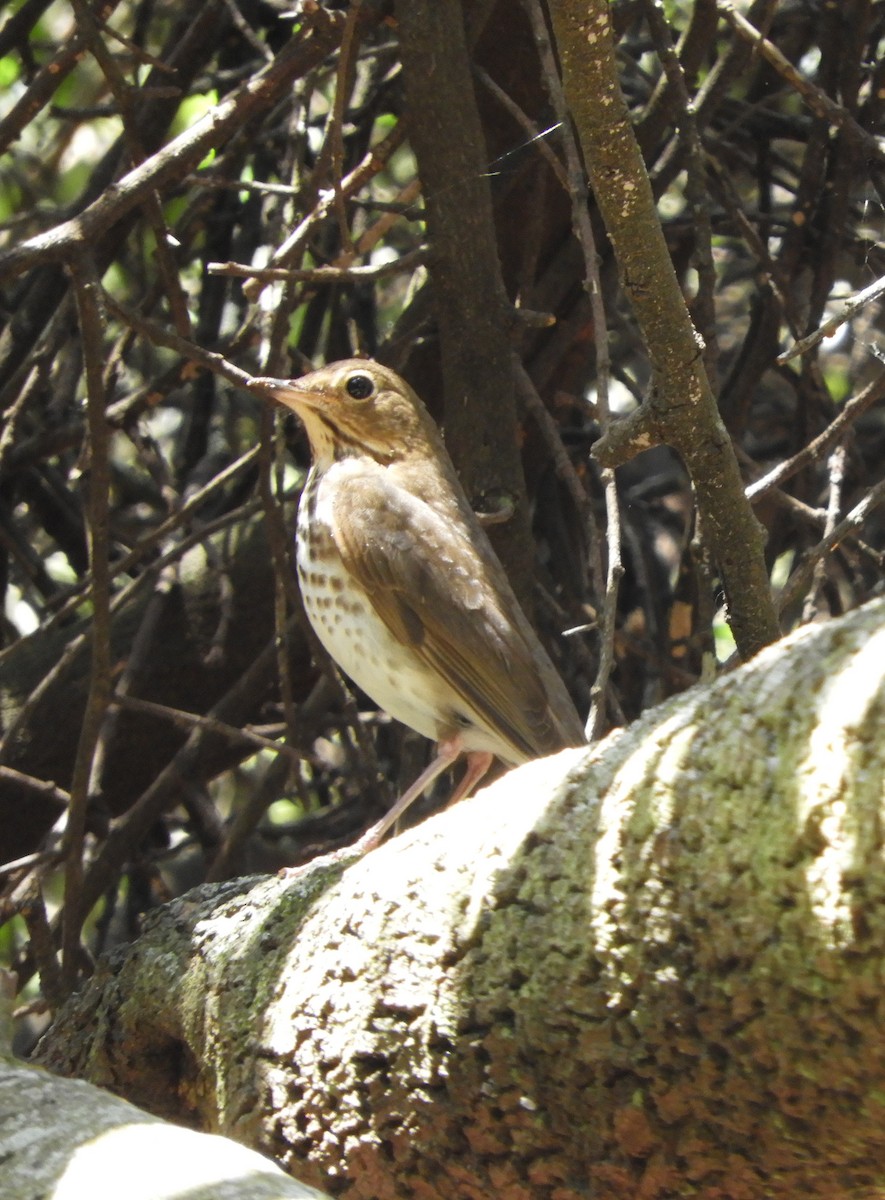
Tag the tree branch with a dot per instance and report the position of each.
(177, 158)
(682, 410)
(650, 962)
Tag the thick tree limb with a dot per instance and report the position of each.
(68, 1140)
(642, 969)
(682, 410)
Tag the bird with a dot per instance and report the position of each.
(402, 587)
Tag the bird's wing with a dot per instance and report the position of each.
(441, 601)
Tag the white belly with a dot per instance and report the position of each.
(346, 623)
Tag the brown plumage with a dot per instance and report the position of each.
(401, 583)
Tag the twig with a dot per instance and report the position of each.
(816, 99)
(405, 199)
(836, 465)
(141, 652)
(845, 313)
(193, 503)
(851, 410)
(164, 792)
(41, 945)
(853, 521)
(344, 80)
(280, 540)
(180, 156)
(26, 863)
(212, 361)
(703, 307)
(406, 262)
(42, 787)
(247, 32)
(87, 290)
(524, 121)
(562, 464)
(373, 162)
(161, 336)
(46, 82)
(228, 860)
(583, 230)
(153, 209)
(132, 48)
(147, 576)
(209, 724)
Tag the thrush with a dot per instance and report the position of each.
(401, 584)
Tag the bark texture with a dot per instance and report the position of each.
(648, 969)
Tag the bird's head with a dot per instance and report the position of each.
(353, 408)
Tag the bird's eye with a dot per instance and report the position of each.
(359, 386)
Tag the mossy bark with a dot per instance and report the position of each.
(648, 969)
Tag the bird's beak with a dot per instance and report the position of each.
(272, 388)
(283, 391)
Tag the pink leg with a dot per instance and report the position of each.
(446, 753)
(478, 763)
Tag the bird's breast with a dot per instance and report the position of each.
(345, 620)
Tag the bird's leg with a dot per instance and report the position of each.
(478, 763)
(447, 751)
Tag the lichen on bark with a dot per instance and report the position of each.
(649, 968)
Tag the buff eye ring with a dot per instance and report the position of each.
(359, 386)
